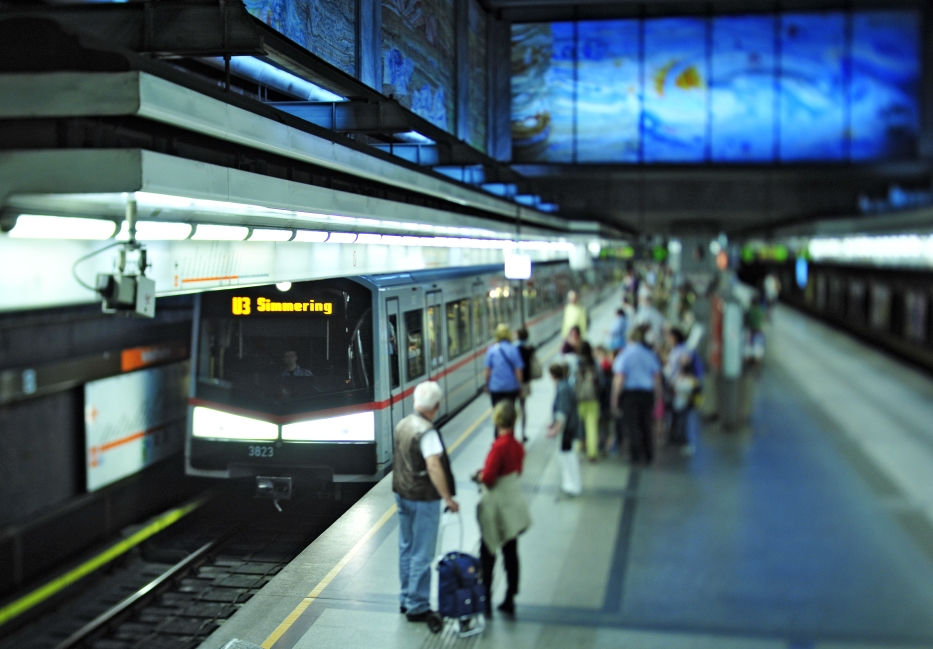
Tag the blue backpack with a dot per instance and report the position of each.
(460, 589)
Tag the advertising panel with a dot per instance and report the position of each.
(133, 421)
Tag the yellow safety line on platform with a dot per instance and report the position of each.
(26, 602)
(287, 623)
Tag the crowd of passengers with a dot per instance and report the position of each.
(640, 383)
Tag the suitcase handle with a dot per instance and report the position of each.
(447, 517)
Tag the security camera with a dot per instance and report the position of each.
(130, 294)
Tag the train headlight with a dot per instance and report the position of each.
(223, 425)
(358, 427)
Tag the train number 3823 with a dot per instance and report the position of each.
(261, 451)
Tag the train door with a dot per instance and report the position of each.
(436, 353)
(479, 333)
(397, 404)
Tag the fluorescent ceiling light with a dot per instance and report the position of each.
(37, 226)
(156, 231)
(369, 238)
(263, 234)
(517, 267)
(214, 424)
(358, 427)
(208, 232)
(341, 237)
(310, 236)
(269, 75)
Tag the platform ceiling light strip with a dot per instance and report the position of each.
(37, 226)
(903, 248)
(341, 237)
(214, 424)
(310, 236)
(270, 76)
(156, 231)
(149, 202)
(207, 232)
(263, 234)
(358, 427)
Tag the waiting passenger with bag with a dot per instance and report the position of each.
(502, 510)
(531, 372)
(421, 478)
(566, 424)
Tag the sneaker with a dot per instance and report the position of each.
(507, 607)
(402, 609)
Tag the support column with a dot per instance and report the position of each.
(499, 79)
(462, 68)
(369, 43)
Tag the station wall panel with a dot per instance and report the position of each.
(768, 88)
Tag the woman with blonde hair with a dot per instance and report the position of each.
(502, 511)
(504, 367)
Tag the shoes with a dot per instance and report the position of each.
(402, 609)
(507, 606)
(419, 617)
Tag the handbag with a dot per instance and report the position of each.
(535, 369)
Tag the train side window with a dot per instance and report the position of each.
(434, 335)
(454, 346)
(463, 326)
(414, 330)
(478, 319)
(393, 350)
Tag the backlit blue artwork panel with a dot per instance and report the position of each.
(608, 91)
(885, 84)
(742, 89)
(543, 92)
(812, 86)
(324, 27)
(676, 86)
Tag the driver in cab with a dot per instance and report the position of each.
(292, 368)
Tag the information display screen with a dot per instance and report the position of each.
(789, 87)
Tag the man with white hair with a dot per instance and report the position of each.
(421, 477)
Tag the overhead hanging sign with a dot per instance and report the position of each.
(517, 267)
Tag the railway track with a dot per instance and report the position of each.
(179, 587)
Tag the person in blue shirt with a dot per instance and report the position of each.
(636, 388)
(504, 367)
(618, 332)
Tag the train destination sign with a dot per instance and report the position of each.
(244, 306)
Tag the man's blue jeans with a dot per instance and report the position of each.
(417, 541)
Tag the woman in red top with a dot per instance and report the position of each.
(502, 512)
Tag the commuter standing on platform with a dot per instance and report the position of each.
(527, 352)
(586, 389)
(502, 510)
(421, 477)
(636, 388)
(566, 424)
(574, 316)
(504, 367)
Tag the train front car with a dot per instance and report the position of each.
(282, 384)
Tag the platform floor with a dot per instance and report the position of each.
(813, 527)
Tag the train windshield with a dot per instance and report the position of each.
(287, 352)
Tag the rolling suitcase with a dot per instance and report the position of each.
(461, 593)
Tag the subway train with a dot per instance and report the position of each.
(891, 308)
(310, 379)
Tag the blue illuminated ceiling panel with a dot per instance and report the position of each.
(792, 87)
(676, 84)
(742, 89)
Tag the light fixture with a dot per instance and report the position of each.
(156, 231)
(209, 232)
(283, 286)
(341, 237)
(367, 238)
(358, 427)
(594, 247)
(310, 236)
(214, 424)
(265, 234)
(38, 226)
